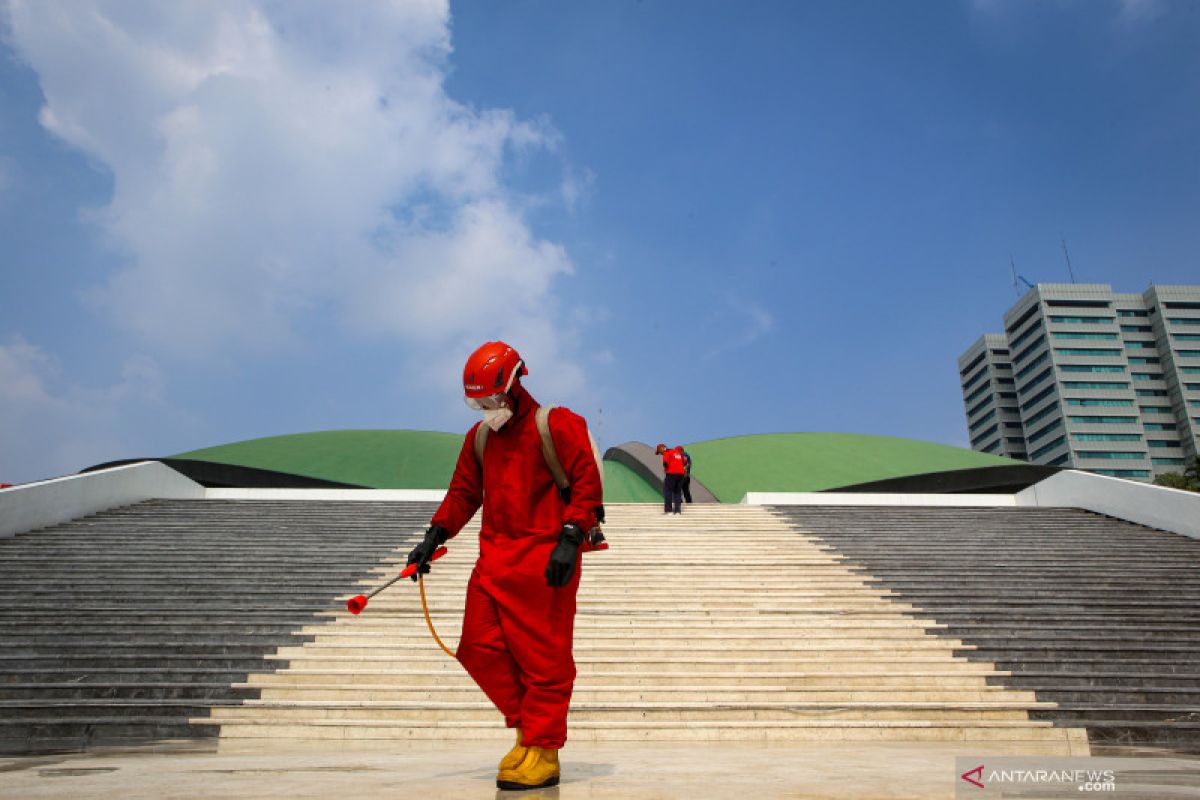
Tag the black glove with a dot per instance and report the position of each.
(562, 559)
(435, 537)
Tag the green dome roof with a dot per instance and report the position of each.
(785, 462)
(383, 459)
(812, 462)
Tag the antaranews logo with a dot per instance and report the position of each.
(1008, 776)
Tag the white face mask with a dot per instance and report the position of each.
(495, 418)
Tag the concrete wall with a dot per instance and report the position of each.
(872, 499)
(37, 505)
(1156, 506)
(362, 495)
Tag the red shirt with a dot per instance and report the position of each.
(673, 462)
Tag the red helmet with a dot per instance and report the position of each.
(491, 370)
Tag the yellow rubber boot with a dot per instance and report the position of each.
(515, 756)
(538, 770)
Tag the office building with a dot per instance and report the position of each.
(1086, 378)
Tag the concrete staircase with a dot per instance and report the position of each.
(723, 623)
(124, 626)
(1097, 616)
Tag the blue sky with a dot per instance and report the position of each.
(225, 220)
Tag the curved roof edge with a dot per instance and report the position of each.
(639, 457)
(1002, 479)
(215, 475)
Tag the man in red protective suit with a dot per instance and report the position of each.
(520, 611)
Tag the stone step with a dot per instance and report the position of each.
(673, 730)
(700, 712)
(178, 691)
(56, 735)
(635, 694)
(352, 680)
(640, 652)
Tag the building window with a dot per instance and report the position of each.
(1162, 443)
(1168, 462)
(1144, 360)
(979, 423)
(1049, 448)
(1159, 426)
(1081, 335)
(1192, 387)
(1021, 356)
(1041, 415)
(1088, 368)
(1094, 385)
(965, 371)
(1188, 353)
(1123, 473)
(1082, 320)
(1033, 437)
(1131, 312)
(975, 395)
(1077, 303)
(1043, 375)
(1013, 425)
(984, 436)
(1104, 420)
(1037, 398)
(1137, 329)
(1187, 337)
(1151, 392)
(1147, 376)
(1016, 342)
(1042, 359)
(1107, 437)
(1183, 321)
(1092, 401)
(1190, 370)
(1136, 345)
(1079, 351)
(1155, 409)
(1110, 455)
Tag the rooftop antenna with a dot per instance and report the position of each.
(1067, 255)
(1017, 277)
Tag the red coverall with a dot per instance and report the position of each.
(517, 631)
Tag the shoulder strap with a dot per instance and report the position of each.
(548, 452)
(481, 434)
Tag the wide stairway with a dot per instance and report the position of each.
(723, 623)
(1099, 616)
(123, 626)
(206, 618)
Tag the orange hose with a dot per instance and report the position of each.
(428, 621)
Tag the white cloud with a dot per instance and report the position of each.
(274, 161)
(746, 322)
(89, 425)
(1136, 12)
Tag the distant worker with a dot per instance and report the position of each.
(674, 469)
(687, 475)
(520, 608)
